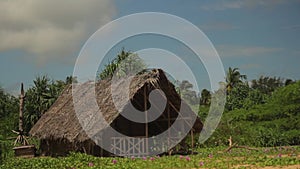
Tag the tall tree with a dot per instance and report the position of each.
(205, 97)
(233, 77)
(8, 113)
(8, 104)
(266, 84)
(185, 89)
(41, 96)
(125, 63)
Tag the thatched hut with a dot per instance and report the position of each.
(60, 131)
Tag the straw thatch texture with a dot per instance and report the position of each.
(60, 123)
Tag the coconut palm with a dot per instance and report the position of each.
(41, 96)
(233, 77)
(124, 64)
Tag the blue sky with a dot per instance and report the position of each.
(260, 37)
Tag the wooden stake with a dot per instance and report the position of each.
(146, 117)
(235, 145)
(169, 124)
(21, 137)
(21, 109)
(192, 137)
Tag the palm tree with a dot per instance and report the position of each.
(233, 77)
(125, 63)
(40, 97)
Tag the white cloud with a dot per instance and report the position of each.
(245, 51)
(51, 29)
(237, 4)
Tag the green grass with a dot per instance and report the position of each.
(206, 158)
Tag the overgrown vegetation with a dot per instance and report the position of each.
(263, 113)
(267, 113)
(40, 97)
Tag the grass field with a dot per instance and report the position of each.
(277, 157)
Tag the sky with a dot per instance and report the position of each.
(260, 37)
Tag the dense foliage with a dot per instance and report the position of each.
(267, 85)
(263, 113)
(257, 119)
(40, 97)
(9, 108)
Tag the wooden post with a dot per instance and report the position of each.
(146, 118)
(21, 109)
(101, 145)
(169, 124)
(21, 137)
(192, 138)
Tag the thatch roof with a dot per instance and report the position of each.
(61, 122)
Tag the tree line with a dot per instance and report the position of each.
(260, 112)
(256, 96)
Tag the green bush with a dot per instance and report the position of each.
(273, 123)
(6, 150)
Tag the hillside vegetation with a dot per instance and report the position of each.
(273, 122)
